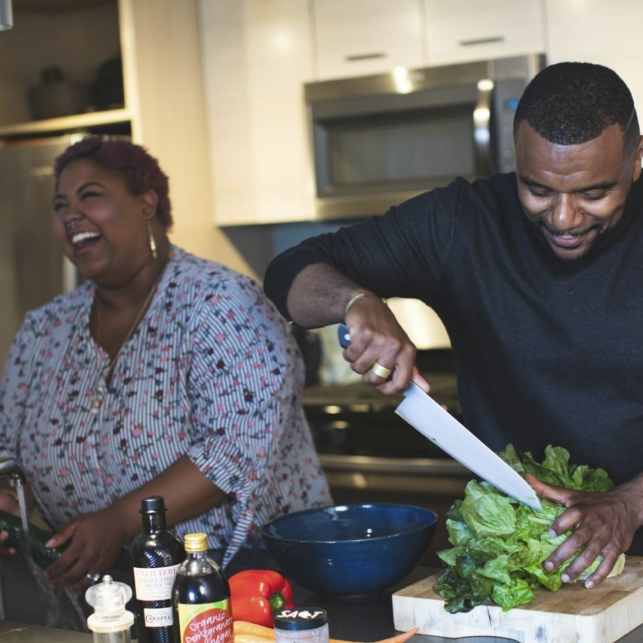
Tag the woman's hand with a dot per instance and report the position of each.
(9, 504)
(603, 522)
(95, 539)
(376, 336)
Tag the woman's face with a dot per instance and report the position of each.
(100, 225)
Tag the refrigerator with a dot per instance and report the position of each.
(33, 268)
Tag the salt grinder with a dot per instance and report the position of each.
(110, 621)
(309, 625)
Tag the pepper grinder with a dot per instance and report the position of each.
(110, 621)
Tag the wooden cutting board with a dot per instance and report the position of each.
(571, 615)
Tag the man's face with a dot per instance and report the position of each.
(574, 192)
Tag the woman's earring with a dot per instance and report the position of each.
(152, 242)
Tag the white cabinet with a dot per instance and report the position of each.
(360, 37)
(465, 30)
(164, 93)
(257, 55)
(596, 32)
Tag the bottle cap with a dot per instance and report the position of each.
(108, 600)
(195, 543)
(294, 620)
(152, 504)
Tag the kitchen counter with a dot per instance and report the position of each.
(368, 618)
(20, 633)
(443, 389)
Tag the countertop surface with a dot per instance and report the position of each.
(368, 618)
(19, 633)
(443, 389)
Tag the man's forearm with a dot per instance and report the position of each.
(319, 295)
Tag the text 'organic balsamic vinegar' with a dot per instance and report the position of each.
(201, 597)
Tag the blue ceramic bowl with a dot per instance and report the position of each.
(350, 550)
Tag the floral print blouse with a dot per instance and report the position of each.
(211, 371)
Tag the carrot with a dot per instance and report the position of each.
(244, 627)
(251, 638)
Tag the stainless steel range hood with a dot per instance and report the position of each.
(6, 15)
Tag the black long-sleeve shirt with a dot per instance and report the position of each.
(548, 351)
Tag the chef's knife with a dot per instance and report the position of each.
(431, 420)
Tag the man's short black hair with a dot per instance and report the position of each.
(571, 103)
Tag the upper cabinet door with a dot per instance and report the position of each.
(466, 30)
(257, 55)
(361, 37)
(589, 32)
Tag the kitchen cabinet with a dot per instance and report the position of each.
(364, 37)
(586, 31)
(257, 54)
(66, 48)
(466, 30)
(164, 105)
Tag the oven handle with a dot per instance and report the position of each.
(371, 464)
(482, 148)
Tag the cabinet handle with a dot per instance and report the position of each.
(481, 41)
(354, 57)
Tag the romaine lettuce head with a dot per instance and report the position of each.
(500, 544)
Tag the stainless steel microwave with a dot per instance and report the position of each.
(379, 140)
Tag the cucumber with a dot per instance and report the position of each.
(41, 555)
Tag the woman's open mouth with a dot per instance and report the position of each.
(83, 242)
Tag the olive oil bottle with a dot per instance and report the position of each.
(155, 555)
(201, 597)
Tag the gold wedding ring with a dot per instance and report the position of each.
(381, 371)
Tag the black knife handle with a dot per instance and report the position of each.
(343, 336)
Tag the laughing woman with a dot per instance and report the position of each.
(162, 374)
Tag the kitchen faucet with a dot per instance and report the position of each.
(7, 465)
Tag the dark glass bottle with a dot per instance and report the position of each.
(201, 596)
(155, 555)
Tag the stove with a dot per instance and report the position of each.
(357, 420)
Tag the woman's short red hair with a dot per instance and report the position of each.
(139, 169)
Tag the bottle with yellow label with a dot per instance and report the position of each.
(201, 597)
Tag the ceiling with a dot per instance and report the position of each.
(55, 6)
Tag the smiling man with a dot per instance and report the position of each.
(576, 163)
(537, 277)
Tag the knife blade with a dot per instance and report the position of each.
(425, 415)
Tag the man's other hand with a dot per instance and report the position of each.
(603, 523)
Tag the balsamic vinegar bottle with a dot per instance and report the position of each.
(155, 555)
(201, 597)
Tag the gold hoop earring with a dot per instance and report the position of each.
(152, 242)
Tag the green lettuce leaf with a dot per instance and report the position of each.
(499, 544)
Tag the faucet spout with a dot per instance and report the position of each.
(7, 465)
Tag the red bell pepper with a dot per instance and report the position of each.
(257, 594)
